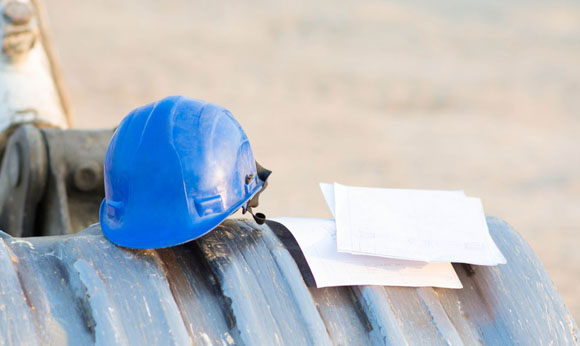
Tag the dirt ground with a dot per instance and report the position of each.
(481, 96)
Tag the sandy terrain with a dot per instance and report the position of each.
(483, 97)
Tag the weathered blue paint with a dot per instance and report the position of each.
(240, 285)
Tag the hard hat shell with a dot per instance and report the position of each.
(174, 170)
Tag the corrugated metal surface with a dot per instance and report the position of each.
(241, 285)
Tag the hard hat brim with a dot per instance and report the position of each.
(142, 236)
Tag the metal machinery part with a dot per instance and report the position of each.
(31, 90)
(241, 284)
(51, 180)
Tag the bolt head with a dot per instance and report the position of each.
(87, 175)
(19, 13)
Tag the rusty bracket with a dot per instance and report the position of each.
(51, 180)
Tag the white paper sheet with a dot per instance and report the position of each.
(317, 240)
(420, 225)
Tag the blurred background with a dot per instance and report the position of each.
(482, 96)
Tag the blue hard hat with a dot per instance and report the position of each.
(174, 170)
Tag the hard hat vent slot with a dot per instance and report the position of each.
(209, 205)
(114, 210)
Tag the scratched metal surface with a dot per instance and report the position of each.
(241, 285)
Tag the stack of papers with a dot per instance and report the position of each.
(394, 237)
(420, 225)
(317, 240)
